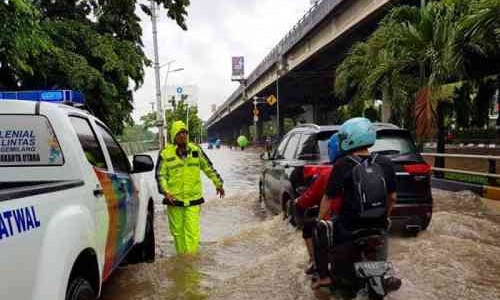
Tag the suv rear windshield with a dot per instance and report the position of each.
(28, 140)
(393, 142)
(388, 142)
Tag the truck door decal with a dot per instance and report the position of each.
(114, 191)
(16, 221)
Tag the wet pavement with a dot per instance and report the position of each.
(248, 253)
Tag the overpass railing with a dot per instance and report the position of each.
(316, 13)
(132, 148)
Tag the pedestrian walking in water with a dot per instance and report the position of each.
(269, 146)
(179, 181)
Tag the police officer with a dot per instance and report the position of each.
(178, 177)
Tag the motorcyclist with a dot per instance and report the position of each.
(356, 136)
(311, 198)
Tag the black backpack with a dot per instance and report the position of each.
(369, 188)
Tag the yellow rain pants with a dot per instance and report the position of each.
(184, 225)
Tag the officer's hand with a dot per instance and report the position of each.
(169, 199)
(221, 192)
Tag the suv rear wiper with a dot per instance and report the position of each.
(387, 152)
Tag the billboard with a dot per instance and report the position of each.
(238, 63)
(189, 92)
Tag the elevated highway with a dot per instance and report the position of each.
(300, 69)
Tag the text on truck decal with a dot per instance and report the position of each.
(17, 221)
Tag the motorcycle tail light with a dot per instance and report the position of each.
(375, 242)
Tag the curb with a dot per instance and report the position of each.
(485, 191)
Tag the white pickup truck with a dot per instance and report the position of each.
(72, 208)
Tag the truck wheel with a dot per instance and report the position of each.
(148, 247)
(80, 289)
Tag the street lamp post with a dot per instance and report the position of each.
(282, 68)
(159, 118)
(165, 93)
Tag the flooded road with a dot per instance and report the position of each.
(248, 253)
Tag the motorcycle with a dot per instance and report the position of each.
(359, 269)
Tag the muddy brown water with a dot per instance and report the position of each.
(248, 253)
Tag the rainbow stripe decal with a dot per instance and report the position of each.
(122, 202)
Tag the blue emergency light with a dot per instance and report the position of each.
(70, 97)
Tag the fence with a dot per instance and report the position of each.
(132, 148)
(484, 183)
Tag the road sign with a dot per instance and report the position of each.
(238, 63)
(179, 90)
(271, 100)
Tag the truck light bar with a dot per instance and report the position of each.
(69, 97)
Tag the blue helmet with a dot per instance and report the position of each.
(356, 133)
(334, 151)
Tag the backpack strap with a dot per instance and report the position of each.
(356, 159)
(374, 157)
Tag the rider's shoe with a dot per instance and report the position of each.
(392, 284)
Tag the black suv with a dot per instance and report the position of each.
(308, 145)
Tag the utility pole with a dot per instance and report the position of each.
(159, 107)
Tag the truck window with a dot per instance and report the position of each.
(291, 148)
(88, 141)
(28, 140)
(118, 158)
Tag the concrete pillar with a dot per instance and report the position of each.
(308, 115)
(281, 123)
(318, 113)
(259, 130)
(236, 133)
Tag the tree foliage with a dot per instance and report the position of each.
(92, 45)
(181, 111)
(414, 55)
(136, 133)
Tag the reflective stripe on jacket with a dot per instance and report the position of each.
(181, 177)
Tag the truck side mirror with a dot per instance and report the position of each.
(142, 163)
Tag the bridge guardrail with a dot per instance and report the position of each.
(309, 20)
(488, 189)
(132, 148)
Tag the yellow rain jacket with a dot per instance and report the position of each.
(182, 179)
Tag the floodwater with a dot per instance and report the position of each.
(248, 253)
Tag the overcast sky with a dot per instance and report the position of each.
(217, 30)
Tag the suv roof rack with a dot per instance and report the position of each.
(309, 125)
(387, 125)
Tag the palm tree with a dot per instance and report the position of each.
(415, 52)
(481, 35)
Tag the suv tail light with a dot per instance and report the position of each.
(418, 169)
